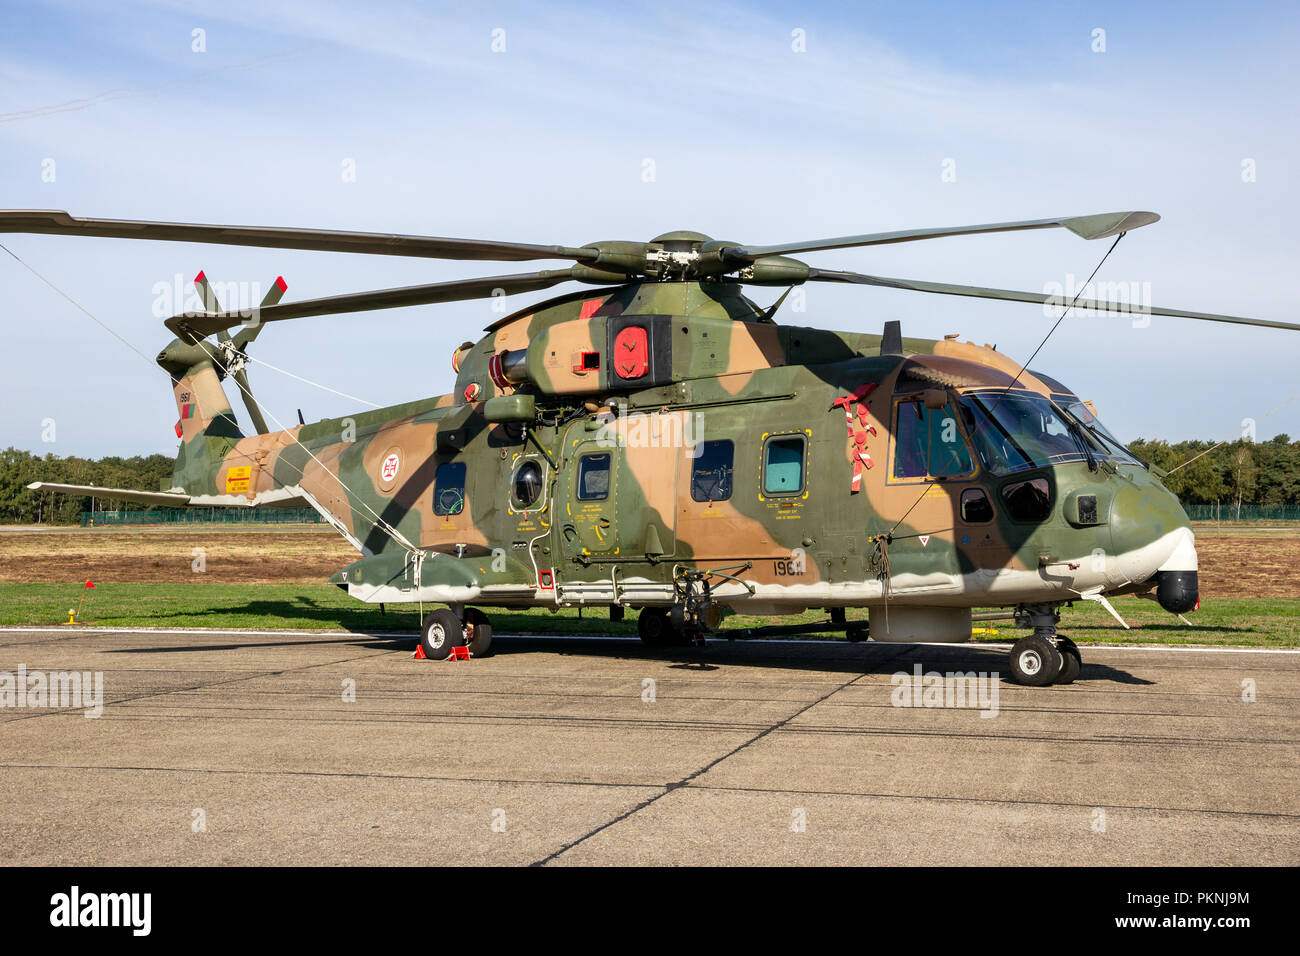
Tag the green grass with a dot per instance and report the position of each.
(1238, 621)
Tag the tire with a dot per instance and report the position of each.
(1035, 661)
(857, 633)
(441, 632)
(480, 633)
(1071, 661)
(654, 627)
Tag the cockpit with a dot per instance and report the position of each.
(1015, 430)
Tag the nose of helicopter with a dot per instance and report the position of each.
(1151, 533)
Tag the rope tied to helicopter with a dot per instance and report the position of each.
(1276, 408)
(307, 381)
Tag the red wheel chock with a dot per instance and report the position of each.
(457, 653)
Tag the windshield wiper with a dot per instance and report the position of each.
(1076, 431)
(1103, 437)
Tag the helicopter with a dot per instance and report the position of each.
(657, 441)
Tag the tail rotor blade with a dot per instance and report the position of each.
(254, 410)
(272, 297)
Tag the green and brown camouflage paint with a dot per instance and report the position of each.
(721, 369)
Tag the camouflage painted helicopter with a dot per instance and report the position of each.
(661, 444)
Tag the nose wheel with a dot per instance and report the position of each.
(1044, 657)
(1035, 661)
(1071, 660)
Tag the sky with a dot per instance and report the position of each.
(563, 124)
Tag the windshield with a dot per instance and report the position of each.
(1079, 410)
(1017, 430)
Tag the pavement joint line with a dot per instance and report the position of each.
(1034, 803)
(687, 726)
(672, 787)
(328, 774)
(667, 787)
(1208, 649)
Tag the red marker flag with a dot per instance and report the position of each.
(89, 584)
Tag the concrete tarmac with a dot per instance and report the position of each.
(240, 748)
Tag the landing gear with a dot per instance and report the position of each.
(441, 632)
(478, 633)
(1071, 660)
(1043, 657)
(444, 629)
(656, 628)
(1035, 661)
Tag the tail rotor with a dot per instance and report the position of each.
(232, 356)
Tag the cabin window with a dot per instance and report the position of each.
(449, 488)
(1029, 500)
(711, 473)
(593, 477)
(928, 443)
(783, 466)
(975, 506)
(527, 483)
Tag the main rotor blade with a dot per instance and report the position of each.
(323, 240)
(192, 325)
(916, 285)
(1088, 227)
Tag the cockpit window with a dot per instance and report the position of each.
(1073, 405)
(1017, 430)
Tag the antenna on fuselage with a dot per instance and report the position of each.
(891, 342)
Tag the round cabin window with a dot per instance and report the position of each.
(528, 483)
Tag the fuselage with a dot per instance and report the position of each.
(788, 468)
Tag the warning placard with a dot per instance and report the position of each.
(237, 479)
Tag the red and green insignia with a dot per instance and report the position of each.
(187, 410)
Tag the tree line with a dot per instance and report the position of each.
(1199, 472)
(1237, 473)
(20, 505)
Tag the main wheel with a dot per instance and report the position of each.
(1071, 660)
(1035, 661)
(654, 627)
(478, 633)
(441, 632)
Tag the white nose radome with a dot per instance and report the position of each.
(1183, 556)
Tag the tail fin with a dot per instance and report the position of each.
(206, 423)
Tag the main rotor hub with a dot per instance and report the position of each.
(683, 240)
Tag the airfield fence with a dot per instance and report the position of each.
(1228, 513)
(203, 516)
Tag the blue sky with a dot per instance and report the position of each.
(750, 140)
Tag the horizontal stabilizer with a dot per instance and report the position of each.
(121, 494)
